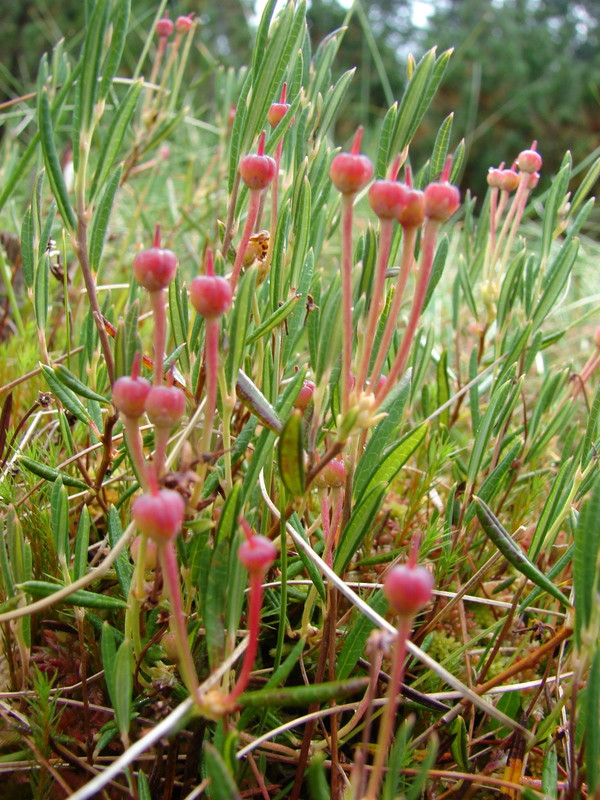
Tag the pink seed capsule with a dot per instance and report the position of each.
(509, 180)
(304, 395)
(350, 172)
(257, 169)
(183, 24)
(387, 198)
(165, 406)
(529, 160)
(441, 201)
(164, 27)
(210, 295)
(494, 177)
(150, 556)
(408, 589)
(332, 476)
(159, 516)
(276, 113)
(130, 394)
(257, 553)
(413, 212)
(155, 268)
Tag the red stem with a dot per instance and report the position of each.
(377, 299)
(247, 233)
(136, 449)
(406, 264)
(256, 593)
(160, 333)
(429, 238)
(347, 329)
(211, 360)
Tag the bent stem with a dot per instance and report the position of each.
(409, 237)
(170, 570)
(160, 333)
(386, 729)
(253, 207)
(136, 449)
(429, 237)
(347, 330)
(256, 593)
(385, 241)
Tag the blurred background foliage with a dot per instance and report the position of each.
(521, 69)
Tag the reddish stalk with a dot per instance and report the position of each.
(347, 328)
(170, 570)
(255, 605)
(136, 449)
(377, 299)
(430, 232)
(159, 316)
(253, 207)
(409, 238)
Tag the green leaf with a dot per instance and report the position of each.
(222, 785)
(592, 726)
(495, 480)
(385, 138)
(513, 554)
(458, 747)
(550, 772)
(356, 638)
(393, 459)
(66, 396)
(40, 292)
(82, 542)
(555, 280)
(291, 696)
(290, 454)
(115, 134)
(27, 248)
(238, 325)
(585, 563)
(359, 524)
(52, 163)
(215, 602)
(275, 319)
(437, 269)
(382, 434)
(59, 515)
(123, 687)
(585, 187)
(72, 382)
(123, 567)
(108, 650)
(50, 473)
(412, 106)
(102, 217)
(333, 102)
(81, 597)
(555, 200)
(91, 57)
(120, 23)
(443, 387)
(484, 432)
(440, 147)
(258, 404)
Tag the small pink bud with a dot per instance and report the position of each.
(210, 295)
(441, 201)
(509, 180)
(408, 589)
(257, 553)
(257, 169)
(304, 395)
(350, 172)
(150, 556)
(130, 394)
(164, 27)
(533, 178)
(494, 177)
(413, 212)
(332, 476)
(165, 406)
(160, 515)
(387, 198)
(183, 24)
(278, 110)
(379, 385)
(529, 160)
(155, 268)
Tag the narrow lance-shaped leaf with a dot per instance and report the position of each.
(102, 217)
(290, 454)
(52, 163)
(499, 536)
